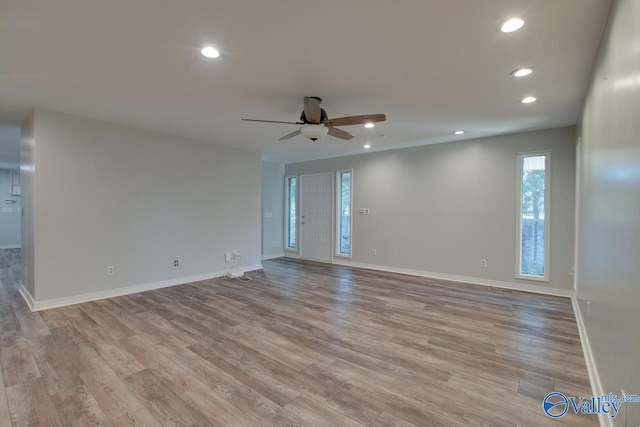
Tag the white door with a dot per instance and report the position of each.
(315, 216)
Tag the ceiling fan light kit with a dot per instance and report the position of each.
(314, 132)
(316, 124)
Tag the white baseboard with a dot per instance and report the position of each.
(10, 246)
(272, 256)
(248, 268)
(110, 293)
(27, 297)
(291, 254)
(594, 378)
(566, 293)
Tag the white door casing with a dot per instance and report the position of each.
(316, 199)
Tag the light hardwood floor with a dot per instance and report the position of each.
(301, 344)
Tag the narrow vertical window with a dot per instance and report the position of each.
(344, 193)
(291, 212)
(533, 216)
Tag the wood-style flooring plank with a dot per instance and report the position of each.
(54, 318)
(30, 405)
(5, 416)
(110, 351)
(389, 420)
(77, 407)
(109, 323)
(17, 362)
(258, 380)
(161, 401)
(77, 349)
(218, 411)
(117, 401)
(315, 414)
(31, 324)
(252, 403)
(58, 373)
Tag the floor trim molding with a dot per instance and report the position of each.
(592, 371)
(27, 297)
(110, 293)
(10, 247)
(292, 254)
(566, 293)
(272, 256)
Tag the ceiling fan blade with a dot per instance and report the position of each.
(272, 121)
(356, 120)
(339, 133)
(312, 109)
(290, 135)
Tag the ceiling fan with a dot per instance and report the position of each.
(316, 124)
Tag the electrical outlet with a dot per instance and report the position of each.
(176, 263)
(374, 252)
(111, 270)
(483, 263)
(364, 211)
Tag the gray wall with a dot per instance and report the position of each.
(106, 194)
(609, 207)
(27, 190)
(9, 146)
(9, 213)
(441, 208)
(272, 209)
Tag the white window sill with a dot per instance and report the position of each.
(533, 278)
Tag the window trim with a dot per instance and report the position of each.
(338, 202)
(287, 187)
(547, 215)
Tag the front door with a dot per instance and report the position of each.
(315, 216)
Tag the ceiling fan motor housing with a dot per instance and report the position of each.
(323, 117)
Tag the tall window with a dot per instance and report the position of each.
(343, 241)
(291, 212)
(533, 216)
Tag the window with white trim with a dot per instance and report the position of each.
(533, 216)
(290, 217)
(344, 193)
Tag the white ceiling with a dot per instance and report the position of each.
(433, 66)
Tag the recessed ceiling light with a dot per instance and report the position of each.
(369, 125)
(459, 132)
(210, 52)
(366, 146)
(522, 72)
(513, 24)
(528, 100)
